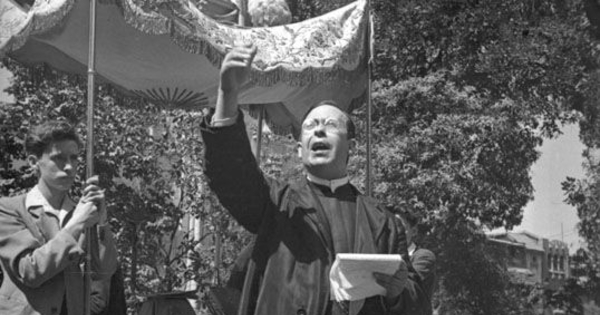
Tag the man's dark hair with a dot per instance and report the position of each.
(42, 136)
(409, 217)
(349, 123)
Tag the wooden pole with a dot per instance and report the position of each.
(259, 134)
(216, 280)
(369, 101)
(243, 13)
(90, 151)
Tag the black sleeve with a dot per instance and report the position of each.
(234, 175)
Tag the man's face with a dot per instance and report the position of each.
(411, 230)
(324, 144)
(58, 165)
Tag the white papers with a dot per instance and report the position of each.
(351, 276)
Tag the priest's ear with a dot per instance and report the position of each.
(352, 144)
(351, 149)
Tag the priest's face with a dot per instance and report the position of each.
(324, 145)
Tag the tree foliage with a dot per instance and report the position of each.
(464, 94)
(439, 153)
(583, 193)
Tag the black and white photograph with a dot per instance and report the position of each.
(306, 157)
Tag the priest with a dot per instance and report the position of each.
(300, 227)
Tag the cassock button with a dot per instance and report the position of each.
(301, 312)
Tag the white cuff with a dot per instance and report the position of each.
(223, 122)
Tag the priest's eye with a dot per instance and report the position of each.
(330, 124)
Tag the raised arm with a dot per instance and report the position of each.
(234, 72)
(229, 164)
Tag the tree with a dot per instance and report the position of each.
(438, 153)
(583, 193)
(465, 92)
(585, 265)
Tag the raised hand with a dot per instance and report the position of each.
(236, 66)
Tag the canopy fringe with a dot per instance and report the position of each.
(174, 18)
(51, 19)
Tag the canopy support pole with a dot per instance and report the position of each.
(243, 12)
(216, 280)
(369, 96)
(259, 134)
(87, 284)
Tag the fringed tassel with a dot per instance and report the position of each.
(43, 19)
(186, 35)
(147, 22)
(47, 17)
(185, 26)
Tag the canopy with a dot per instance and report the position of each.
(169, 52)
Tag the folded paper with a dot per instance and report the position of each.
(351, 276)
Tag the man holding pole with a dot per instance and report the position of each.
(301, 227)
(42, 233)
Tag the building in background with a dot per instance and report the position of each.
(532, 259)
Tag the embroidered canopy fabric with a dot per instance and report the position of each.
(169, 52)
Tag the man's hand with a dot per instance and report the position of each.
(93, 193)
(236, 66)
(394, 284)
(234, 72)
(90, 210)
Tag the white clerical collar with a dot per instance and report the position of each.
(332, 184)
(35, 198)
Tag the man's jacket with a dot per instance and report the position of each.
(423, 262)
(42, 263)
(289, 269)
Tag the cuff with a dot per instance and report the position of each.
(223, 122)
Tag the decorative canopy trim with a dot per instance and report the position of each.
(169, 52)
(318, 50)
(17, 24)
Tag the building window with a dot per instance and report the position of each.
(561, 266)
(534, 264)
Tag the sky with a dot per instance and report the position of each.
(561, 157)
(547, 213)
